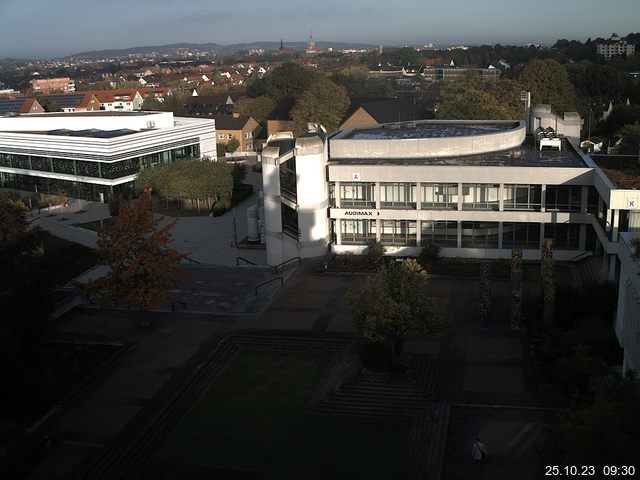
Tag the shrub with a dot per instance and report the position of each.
(375, 254)
(430, 255)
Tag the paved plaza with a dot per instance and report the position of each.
(478, 378)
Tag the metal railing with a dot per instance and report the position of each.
(286, 263)
(255, 290)
(248, 262)
(192, 260)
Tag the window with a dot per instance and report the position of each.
(480, 196)
(522, 197)
(565, 198)
(357, 194)
(565, 236)
(357, 232)
(288, 180)
(289, 221)
(398, 232)
(221, 136)
(332, 194)
(441, 233)
(521, 235)
(480, 234)
(247, 135)
(398, 195)
(229, 136)
(440, 195)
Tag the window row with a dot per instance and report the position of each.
(565, 198)
(109, 170)
(472, 234)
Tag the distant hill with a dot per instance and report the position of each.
(214, 47)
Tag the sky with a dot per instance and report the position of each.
(51, 28)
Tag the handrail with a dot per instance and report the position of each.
(249, 262)
(192, 260)
(283, 264)
(581, 256)
(255, 290)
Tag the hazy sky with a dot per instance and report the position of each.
(45, 28)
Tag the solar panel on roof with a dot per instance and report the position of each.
(114, 133)
(89, 132)
(66, 101)
(11, 105)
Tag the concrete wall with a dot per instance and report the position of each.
(570, 124)
(627, 326)
(344, 147)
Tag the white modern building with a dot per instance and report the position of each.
(478, 189)
(627, 324)
(93, 155)
(615, 46)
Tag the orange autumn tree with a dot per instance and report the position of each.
(143, 268)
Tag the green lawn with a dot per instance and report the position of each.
(66, 260)
(253, 417)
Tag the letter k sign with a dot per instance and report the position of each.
(632, 203)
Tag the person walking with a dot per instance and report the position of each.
(478, 451)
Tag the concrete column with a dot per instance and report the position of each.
(500, 229)
(272, 214)
(501, 206)
(460, 202)
(459, 234)
(377, 229)
(543, 198)
(582, 239)
(418, 233)
(337, 191)
(615, 225)
(584, 199)
(612, 267)
(419, 197)
(609, 220)
(338, 231)
(376, 192)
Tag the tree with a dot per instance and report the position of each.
(232, 145)
(323, 102)
(472, 97)
(631, 139)
(142, 267)
(288, 80)
(151, 103)
(620, 116)
(392, 303)
(259, 108)
(601, 432)
(548, 82)
(24, 283)
(197, 180)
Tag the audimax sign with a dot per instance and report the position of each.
(361, 213)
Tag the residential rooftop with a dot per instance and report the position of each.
(623, 171)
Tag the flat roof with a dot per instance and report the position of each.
(411, 130)
(96, 113)
(526, 155)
